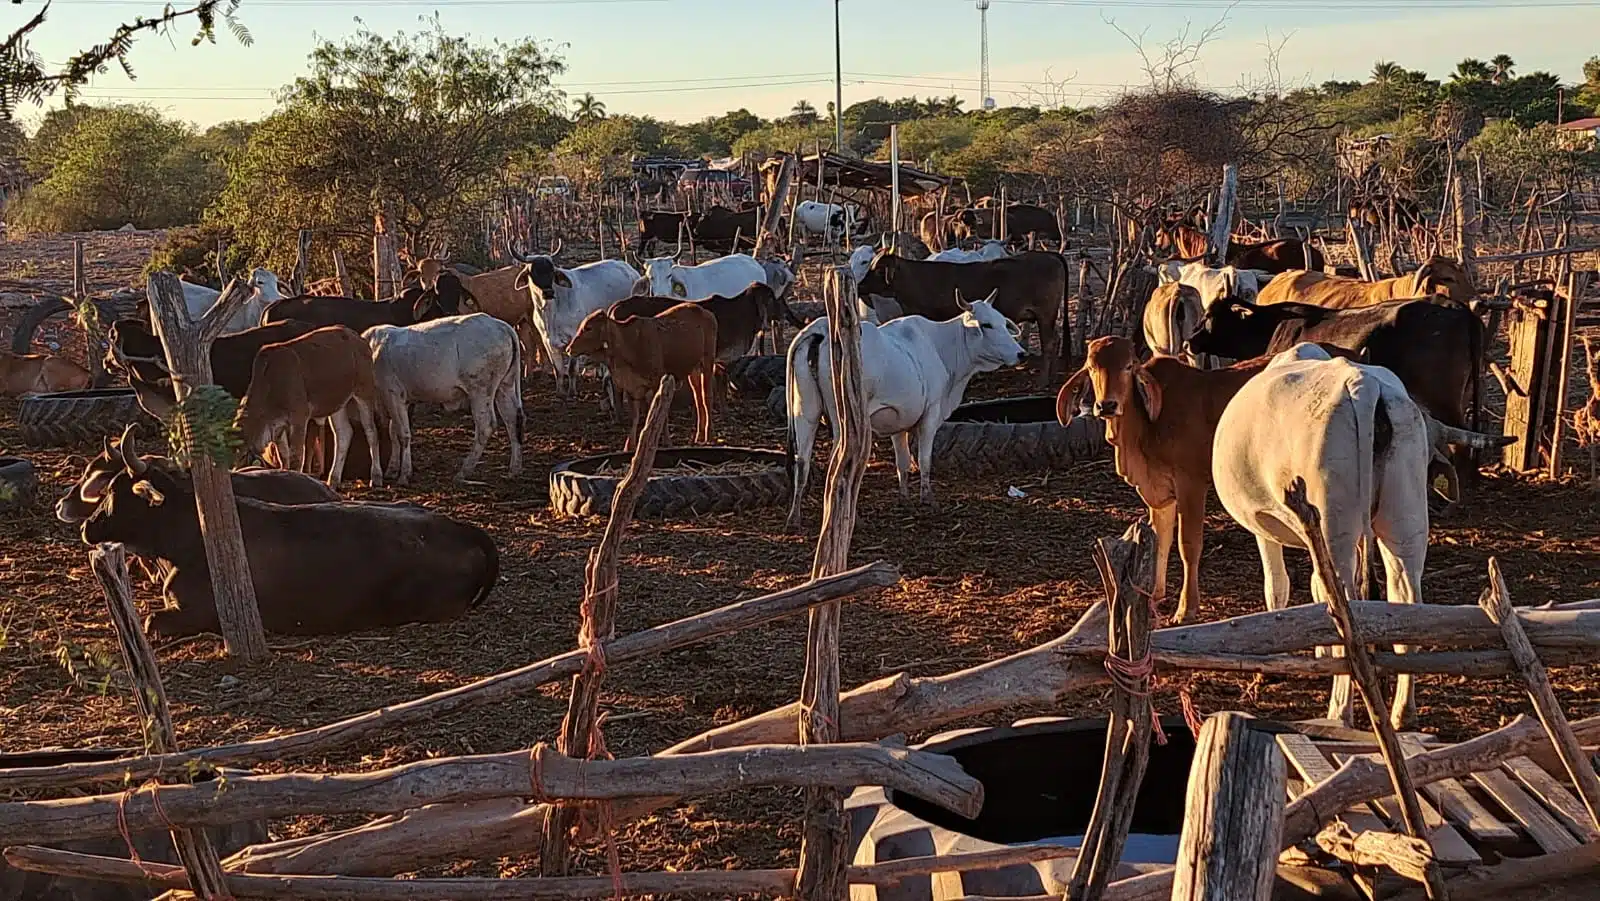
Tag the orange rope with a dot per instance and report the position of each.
(1132, 676)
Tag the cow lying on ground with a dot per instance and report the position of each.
(915, 371)
(1437, 276)
(39, 374)
(1282, 255)
(639, 350)
(1434, 348)
(474, 360)
(988, 250)
(1363, 447)
(317, 376)
(1028, 287)
(326, 568)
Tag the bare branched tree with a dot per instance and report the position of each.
(1171, 65)
(24, 78)
(1052, 93)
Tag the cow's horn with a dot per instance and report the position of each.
(130, 453)
(555, 250)
(1447, 434)
(517, 254)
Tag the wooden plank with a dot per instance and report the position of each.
(1459, 806)
(1449, 847)
(1562, 804)
(1545, 830)
(1313, 767)
(1525, 330)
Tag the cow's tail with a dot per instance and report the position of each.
(1064, 333)
(491, 557)
(1475, 349)
(513, 383)
(803, 391)
(1366, 403)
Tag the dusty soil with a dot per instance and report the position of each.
(985, 575)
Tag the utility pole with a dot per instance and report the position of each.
(838, 87)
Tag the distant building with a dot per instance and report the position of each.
(1581, 134)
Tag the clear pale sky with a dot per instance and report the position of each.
(684, 59)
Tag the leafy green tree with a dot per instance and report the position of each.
(604, 147)
(25, 80)
(588, 108)
(1588, 96)
(1501, 67)
(1386, 71)
(122, 164)
(803, 113)
(424, 123)
(931, 141)
(785, 136)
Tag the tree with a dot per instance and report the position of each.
(1470, 70)
(1589, 92)
(803, 113)
(23, 78)
(605, 147)
(1385, 71)
(424, 123)
(588, 109)
(1501, 68)
(122, 164)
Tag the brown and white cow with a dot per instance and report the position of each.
(39, 374)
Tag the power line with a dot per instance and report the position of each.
(1291, 5)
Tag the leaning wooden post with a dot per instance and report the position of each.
(1222, 224)
(824, 843)
(385, 259)
(1496, 602)
(347, 285)
(1127, 569)
(776, 203)
(1466, 212)
(188, 351)
(1234, 826)
(195, 851)
(1365, 675)
(88, 318)
(302, 263)
(1573, 290)
(580, 734)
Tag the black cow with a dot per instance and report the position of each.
(1029, 287)
(1435, 348)
(414, 304)
(317, 569)
(665, 227)
(1022, 220)
(135, 351)
(719, 227)
(1277, 256)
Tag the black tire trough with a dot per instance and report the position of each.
(577, 490)
(74, 417)
(1015, 434)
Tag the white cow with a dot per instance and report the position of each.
(474, 360)
(264, 292)
(727, 276)
(915, 371)
(1214, 284)
(563, 298)
(828, 220)
(1311, 416)
(989, 250)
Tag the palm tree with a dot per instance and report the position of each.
(803, 113)
(952, 105)
(588, 109)
(1471, 69)
(1384, 72)
(1503, 67)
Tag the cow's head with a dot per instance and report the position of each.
(1234, 328)
(1120, 383)
(81, 500)
(990, 337)
(133, 503)
(881, 272)
(442, 299)
(595, 335)
(265, 285)
(539, 271)
(664, 278)
(1442, 275)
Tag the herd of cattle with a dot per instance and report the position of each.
(1355, 386)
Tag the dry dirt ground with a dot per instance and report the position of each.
(985, 576)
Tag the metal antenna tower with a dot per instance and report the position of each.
(985, 101)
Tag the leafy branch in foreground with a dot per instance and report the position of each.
(23, 78)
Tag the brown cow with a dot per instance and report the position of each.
(495, 292)
(741, 319)
(639, 350)
(1282, 255)
(316, 376)
(39, 374)
(1439, 275)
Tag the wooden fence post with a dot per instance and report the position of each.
(1466, 210)
(385, 259)
(1222, 225)
(195, 851)
(1571, 292)
(824, 841)
(580, 736)
(302, 263)
(1365, 676)
(1127, 569)
(89, 318)
(347, 285)
(187, 345)
(1234, 827)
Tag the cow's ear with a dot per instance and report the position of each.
(561, 279)
(1150, 390)
(144, 489)
(1067, 397)
(1243, 311)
